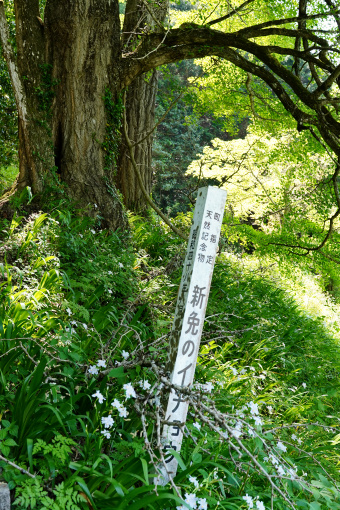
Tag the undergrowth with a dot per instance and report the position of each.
(85, 314)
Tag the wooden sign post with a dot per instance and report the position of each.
(190, 313)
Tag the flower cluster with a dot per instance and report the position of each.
(108, 421)
(123, 412)
(250, 502)
(93, 370)
(206, 387)
(194, 502)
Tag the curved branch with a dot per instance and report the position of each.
(294, 19)
(309, 249)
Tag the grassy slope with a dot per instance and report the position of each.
(278, 332)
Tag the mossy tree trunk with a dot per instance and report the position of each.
(139, 18)
(69, 69)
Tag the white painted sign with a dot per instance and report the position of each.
(190, 313)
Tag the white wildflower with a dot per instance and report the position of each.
(280, 471)
(293, 474)
(304, 385)
(191, 500)
(253, 408)
(93, 231)
(107, 421)
(196, 425)
(260, 505)
(208, 387)
(202, 504)
(125, 354)
(294, 437)
(270, 409)
(129, 390)
(106, 433)
(273, 460)
(237, 431)
(68, 310)
(93, 370)
(123, 412)
(101, 363)
(257, 420)
(109, 272)
(281, 446)
(120, 265)
(145, 384)
(116, 403)
(248, 500)
(193, 479)
(99, 396)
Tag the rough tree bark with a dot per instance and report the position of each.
(75, 51)
(140, 105)
(83, 47)
(35, 155)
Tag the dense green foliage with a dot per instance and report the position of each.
(180, 137)
(85, 313)
(76, 304)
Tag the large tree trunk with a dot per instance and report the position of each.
(72, 75)
(68, 69)
(35, 155)
(84, 48)
(140, 114)
(140, 106)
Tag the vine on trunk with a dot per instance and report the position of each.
(114, 113)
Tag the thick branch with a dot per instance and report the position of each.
(197, 42)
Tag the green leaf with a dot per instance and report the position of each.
(10, 442)
(314, 506)
(145, 471)
(30, 453)
(117, 372)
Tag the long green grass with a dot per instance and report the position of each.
(74, 295)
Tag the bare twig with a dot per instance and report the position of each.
(22, 470)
